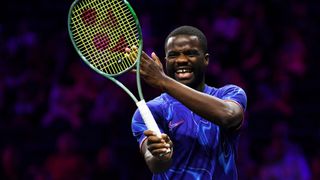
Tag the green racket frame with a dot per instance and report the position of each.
(142, 106)
(111, 76)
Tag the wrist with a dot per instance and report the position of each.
(164, 83)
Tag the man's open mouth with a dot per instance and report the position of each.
(184, 73)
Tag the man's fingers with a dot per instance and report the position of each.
(145, 55)
(166, 138)
(133, 71)
(127, 50)
(131, 53)
(156, 58)
(155, 139)
(134, 48)
(160, 152)
(158, 148)
(149, 133)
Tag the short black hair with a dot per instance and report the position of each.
(192, 31)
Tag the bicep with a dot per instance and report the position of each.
(238, 113)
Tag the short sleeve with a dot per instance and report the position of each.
(234, 93)
(138, 127)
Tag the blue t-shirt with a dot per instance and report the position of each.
(202, 150)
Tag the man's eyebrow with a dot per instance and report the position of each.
(184, 51)
(192, 51)
(173, 52)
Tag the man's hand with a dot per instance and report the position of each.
(161, 148)
(151, 69)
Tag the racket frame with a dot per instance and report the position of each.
(142, 106)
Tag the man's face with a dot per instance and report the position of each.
(186, 61)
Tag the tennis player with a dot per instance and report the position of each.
(200, 123)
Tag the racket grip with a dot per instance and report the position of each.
(148, 118)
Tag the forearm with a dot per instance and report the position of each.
(155, 164)
(218, 111)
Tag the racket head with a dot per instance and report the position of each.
(100, 30)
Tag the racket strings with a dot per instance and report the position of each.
(110, 20)
(102, 29)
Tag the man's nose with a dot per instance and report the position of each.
(182, 58)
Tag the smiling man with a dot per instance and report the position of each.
(199, 123)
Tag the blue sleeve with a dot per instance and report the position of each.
(138, 127)
(234, 93)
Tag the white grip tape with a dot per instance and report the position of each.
(148, 118)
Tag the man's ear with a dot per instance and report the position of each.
(206, 59)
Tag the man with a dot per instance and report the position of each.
(200, 124)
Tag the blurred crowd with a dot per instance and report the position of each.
(60, 120)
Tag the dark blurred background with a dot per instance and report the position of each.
(60, 120)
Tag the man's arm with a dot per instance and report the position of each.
(227, 114)
(154, 150)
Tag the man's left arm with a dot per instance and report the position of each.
(227, 114)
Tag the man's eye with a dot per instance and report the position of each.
(172, 55)
(192, 53)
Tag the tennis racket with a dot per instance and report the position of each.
(100, 30)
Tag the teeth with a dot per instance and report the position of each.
(182, 70)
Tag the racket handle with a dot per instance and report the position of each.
(148, 118)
